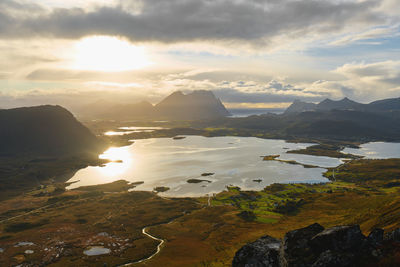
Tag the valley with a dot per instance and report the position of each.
(170, 193)
(200, 234)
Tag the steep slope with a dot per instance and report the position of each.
(44, 130)
(196, 105)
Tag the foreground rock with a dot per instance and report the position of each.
(295, 249)
(315, 246)
(262, 252)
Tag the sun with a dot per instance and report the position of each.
(109, 54)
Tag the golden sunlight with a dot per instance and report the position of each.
(110, 54)
(116, 154)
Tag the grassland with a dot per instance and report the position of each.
(327, 150)
(378, 173)
(21, 173)
(65, 223)
(75, 220)
(293, 162)
(215, 233)
(62, 224)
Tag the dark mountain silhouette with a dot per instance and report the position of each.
(44, 130)
(196, 105)
(345, 104)
(300, 106)
(333, 124)
(177, 106)
(385, 104)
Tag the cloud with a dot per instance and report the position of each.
(372, 80)
(367, 35)
(252, 21)
(385, 71)
(360, 81)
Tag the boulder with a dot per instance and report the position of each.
(338, 238)
(295, 249)
(312, 246)
(375, 238)
(264, 252)
(334, 259)
(393, 236)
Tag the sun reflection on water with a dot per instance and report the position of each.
(122, 161)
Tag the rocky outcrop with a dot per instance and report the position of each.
(393, 236)
(295, 249)
(262, 252)
(315, 246)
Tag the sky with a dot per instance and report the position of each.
(250, 53)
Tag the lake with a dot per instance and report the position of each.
(234, 160)
(376, 150)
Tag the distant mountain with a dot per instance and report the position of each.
(44, 130)
(385, 104)
(142, 110)
(177, 106)
(332, 125)
(95, 109)
(344, 104)
(300, 106)
(196, 105)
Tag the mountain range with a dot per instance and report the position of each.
(345, 104)
(196, 105)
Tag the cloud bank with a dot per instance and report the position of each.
(172, 21)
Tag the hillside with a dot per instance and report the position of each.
(345, 125)
(44, 130)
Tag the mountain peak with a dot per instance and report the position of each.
(300, 106)
(326, 100)
(177, 93)
(199, 104)
(347, 100)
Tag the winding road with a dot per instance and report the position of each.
(162, 241)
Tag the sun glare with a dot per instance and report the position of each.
(123, 161)
(110, 54)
